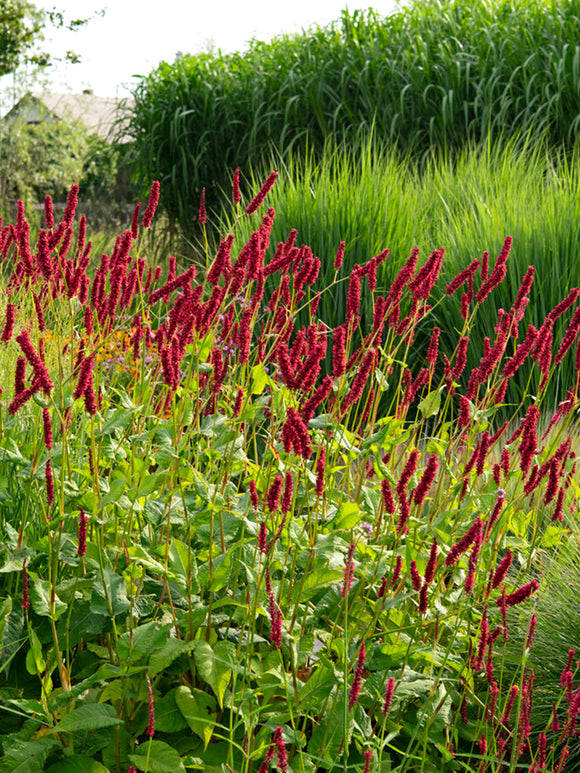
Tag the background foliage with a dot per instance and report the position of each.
(432, 75)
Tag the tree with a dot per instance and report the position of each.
(21, 26)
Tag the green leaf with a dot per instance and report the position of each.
(11, 637)
(113, 587)
(157, 757)
(348, 516)
(164, 657)
(197, 707)
(315, 581)
(90, 717)
(431, 403)
(141, 641)
(168, 717)
(35, 663)
(28, 757)
(259, 379)
(214, 665)
(77, 765)
(40, 600)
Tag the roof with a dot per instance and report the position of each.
(98, 114)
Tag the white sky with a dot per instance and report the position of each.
(135, 35)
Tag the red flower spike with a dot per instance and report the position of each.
(382, 588)
(498, 273)
(281, 750)
(48, 212)
(40, 371)
(339, 256)
(9, 322)
(263, 538)
(348, 571)
(368, 755)
(135, 221)
(151, 204)
(320, 467)
(236, 187)
(49, 483)
(273, 499)
(464, 543)
(426, 480)
(388, 699)
(415, 576)
(462, 277)
(355, 687)
(202, 217)
(408, 470)
(47, 427)
(397, 571)
(287, 494)
(433, 347)
(558, 514)
(519, 595)
(150, 709)
(502, 569)
(265, 766)
(82, 533)
(353, 294)
(262, 193)
(431, 563)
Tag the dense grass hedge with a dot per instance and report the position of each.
(432, 74)
(374, 198)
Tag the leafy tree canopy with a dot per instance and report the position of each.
(22, 26)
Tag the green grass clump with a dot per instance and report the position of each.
(373, 198)
(431, 75)
(214, 556)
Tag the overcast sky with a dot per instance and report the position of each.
(133, 37)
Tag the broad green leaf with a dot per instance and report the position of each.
(198, 709)
(157, 757)
(431, 403)
(179, 558)
(315, 581)
(349, 514)
(89, 717)
(11, 626)
(28, 757)
(214, 665)
(318, 687)
(259, 379)
(119, 419)
(40, 600)
(113, 587)
(77, 765)
(164, 657)
(141, 641)
(35, 662)
(168, 717)
(116, 491)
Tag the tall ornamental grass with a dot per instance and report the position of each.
(215, 557)
(431, 75)
(371, 197)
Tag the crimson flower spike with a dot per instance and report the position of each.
(262, 193)
(498, 273)
(151, 204)
(355, 688)
(202, 213)
(236, 187)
